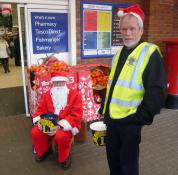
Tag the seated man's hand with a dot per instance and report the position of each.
(53, 131)
(38, 123)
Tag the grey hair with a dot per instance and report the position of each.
(139, 22)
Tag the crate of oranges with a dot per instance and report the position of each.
(46, 69)
(100, 77)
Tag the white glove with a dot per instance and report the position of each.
(65, 125)
(36, 119)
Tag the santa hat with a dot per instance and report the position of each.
(134, 10)
(59, 76)
(6, 9)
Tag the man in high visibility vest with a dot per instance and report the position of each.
(136, 92)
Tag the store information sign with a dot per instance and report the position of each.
(49, 32)
(100, 30)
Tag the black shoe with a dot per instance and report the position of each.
(67, 163)
(45, 155)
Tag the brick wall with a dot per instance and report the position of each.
(161, 22)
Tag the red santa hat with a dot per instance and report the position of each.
(134, 10)
(59, 76)
(6, 9)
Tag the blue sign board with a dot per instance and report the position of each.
(90, 40)
(49, 32)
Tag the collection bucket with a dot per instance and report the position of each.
(98, 133)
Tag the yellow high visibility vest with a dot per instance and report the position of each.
(129, 90)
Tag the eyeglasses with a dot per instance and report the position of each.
(130, 30)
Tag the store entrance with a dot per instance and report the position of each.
(64, 48)
(13, 39)
(11, 83)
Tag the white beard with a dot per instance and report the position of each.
(59, 97)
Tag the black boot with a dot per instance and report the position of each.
(67, 163)
(45, 155)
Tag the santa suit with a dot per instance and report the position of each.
(69, 119)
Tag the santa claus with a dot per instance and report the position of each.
(67, 105)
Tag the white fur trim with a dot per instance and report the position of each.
(36, 119)
(65, 124)
(75, 131)
(59, 78)
(138, 17)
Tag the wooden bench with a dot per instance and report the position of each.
(82, 135)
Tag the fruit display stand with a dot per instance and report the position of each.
(92, 81)
(89, 80)
(91, 84)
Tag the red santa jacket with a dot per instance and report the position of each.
(70, 117)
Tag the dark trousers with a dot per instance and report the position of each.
(122, 147)
(5, 64)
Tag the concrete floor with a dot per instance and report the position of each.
(12, 79)
(11, 90)
(158, 154)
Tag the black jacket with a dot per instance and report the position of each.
(154, 82)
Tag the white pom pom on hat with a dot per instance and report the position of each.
(120, 12)
(134, 9)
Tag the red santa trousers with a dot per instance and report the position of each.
(42, 142)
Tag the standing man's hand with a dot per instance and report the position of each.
(100, 116)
